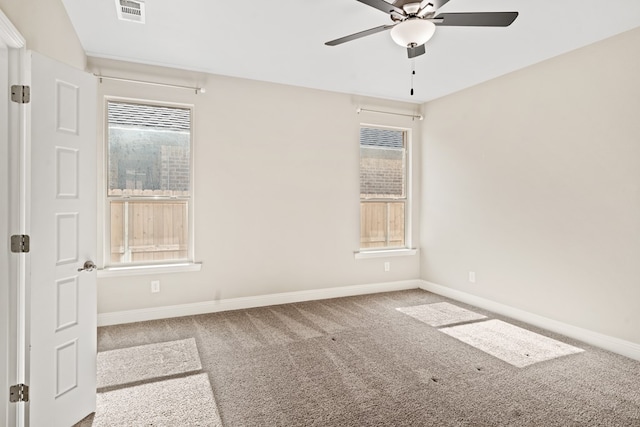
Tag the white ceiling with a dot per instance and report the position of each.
(283, 41)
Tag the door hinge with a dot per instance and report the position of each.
(20, 94)
(19, 393)
(20, 243)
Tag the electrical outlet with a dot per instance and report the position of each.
(472, 276)
(155, 286)
(387, 266)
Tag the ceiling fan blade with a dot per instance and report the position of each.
(358, 35)
(476, 19)
(383, 6)
(425, 7)
(439, 3)
(412, 52)
(430, 6)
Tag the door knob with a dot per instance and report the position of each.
(88, 266)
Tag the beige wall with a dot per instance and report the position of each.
(276, 190)
(47, 29)
(532, 181)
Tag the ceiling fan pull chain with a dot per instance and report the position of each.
(413, 73)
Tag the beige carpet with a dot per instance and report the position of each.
(158, 384)
(186, 401)
(357, 361)
(145, 362)
(440, 314)
(510, 343)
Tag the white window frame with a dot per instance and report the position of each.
(407, 249)
(147, 267)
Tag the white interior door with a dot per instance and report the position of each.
(62, 313)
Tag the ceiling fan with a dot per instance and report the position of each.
(414, 22)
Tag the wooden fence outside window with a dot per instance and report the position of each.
(382, 224)
(149, 231)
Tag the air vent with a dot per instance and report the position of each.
(130, 10)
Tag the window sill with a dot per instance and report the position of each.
(385, 253)
(140, 270)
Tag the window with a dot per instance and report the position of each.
(383, 188)
(149, 172)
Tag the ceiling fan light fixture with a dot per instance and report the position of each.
(413, 31)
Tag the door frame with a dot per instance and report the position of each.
(17, 165)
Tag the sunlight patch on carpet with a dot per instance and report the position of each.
(145, 362)
(510, 343)
(174, 402)
(440, 314)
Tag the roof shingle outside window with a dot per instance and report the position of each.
(383, 138)
(149, 116)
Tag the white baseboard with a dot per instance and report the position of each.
(154, 313)
(616, 345)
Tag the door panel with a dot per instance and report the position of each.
(62, 331)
